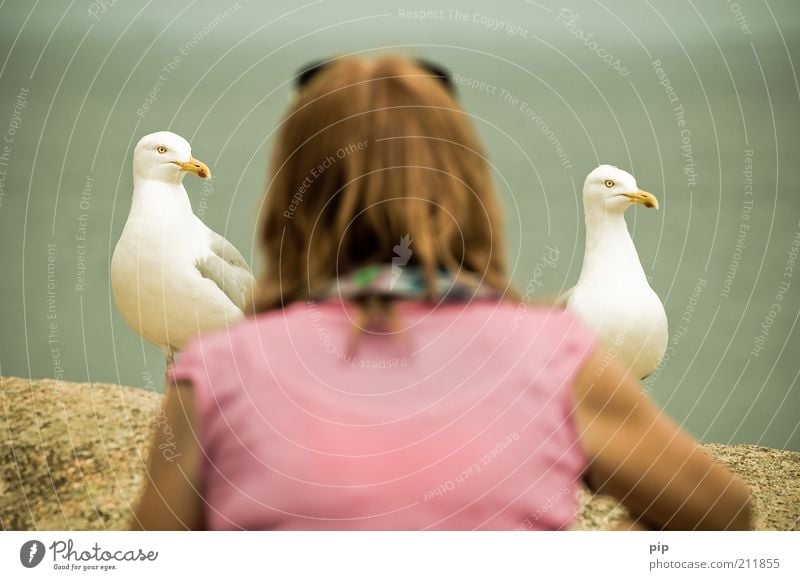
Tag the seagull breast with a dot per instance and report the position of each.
(613, 295)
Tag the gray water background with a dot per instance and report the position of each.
(699, 100)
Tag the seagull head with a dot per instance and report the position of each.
(165, 156)
(614, 190)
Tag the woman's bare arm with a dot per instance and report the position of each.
(644, 460)
(171, 499)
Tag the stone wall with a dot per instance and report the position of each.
(73, 457)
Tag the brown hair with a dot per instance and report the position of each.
(371, 151)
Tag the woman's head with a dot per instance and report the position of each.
(369, 153)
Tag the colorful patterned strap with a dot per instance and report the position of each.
(406, 282)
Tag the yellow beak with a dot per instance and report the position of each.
(195, 166)
(645, 198)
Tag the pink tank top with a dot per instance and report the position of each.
(463, 422)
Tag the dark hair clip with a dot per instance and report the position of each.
(439, 72)
(311, 70)
(308, 72)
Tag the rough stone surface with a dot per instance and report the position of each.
(73, 457)
(772, 474)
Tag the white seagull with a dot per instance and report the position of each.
(612, 295)
(172, 276)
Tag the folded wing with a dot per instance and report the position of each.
(227, 268)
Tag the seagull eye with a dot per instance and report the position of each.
(161, 149)
(608, 183)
